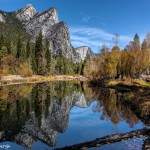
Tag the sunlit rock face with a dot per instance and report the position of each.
(83, 52)
(59, 38)
(2, 19)
(56, 32)
(42, 22)
(25, 14)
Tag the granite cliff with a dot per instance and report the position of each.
(56, 32)
(48, 23)
(2, 19)
(83, 52)
(25, 14)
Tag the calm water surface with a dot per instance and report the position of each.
(58, 114)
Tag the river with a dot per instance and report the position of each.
(53, 115)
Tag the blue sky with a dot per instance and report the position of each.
(93, 22)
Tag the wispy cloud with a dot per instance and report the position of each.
(94, 37)
(86, 18)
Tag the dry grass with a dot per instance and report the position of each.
(18, 79)
(139, 82)
(129, 82)
(112, 83)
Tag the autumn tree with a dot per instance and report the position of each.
(116, 52)
(104, 51)
(144, 58)
(148, 47)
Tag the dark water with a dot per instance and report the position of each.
(53, 115)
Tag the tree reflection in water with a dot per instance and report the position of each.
(110, 103)
(39, 112)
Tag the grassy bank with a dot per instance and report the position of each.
(17, 79)
(129, 82)
(121, 84)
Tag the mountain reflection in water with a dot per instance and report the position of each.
(42, 112)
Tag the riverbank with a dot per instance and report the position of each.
(128, 84)
(17, 79)
(122, 84)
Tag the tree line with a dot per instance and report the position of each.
(133, 61)
(24, 57)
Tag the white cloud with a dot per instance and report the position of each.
(87, 41)
(94, 37)
(86, 18)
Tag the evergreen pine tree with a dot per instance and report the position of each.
(23, 51)
(137, 41)
(33, 61)
(19, 48)
(39, 55)
(1, 40)
(48, 57)
(8, 45)
(59, 63)
(28, 49)
(28, 53)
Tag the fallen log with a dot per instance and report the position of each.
(108, 139)
(146, 145)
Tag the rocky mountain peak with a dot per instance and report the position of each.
(29, 5)
(43, 22)
(26, 13)
(56, 32)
